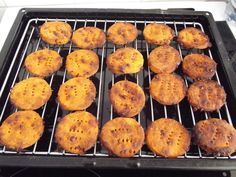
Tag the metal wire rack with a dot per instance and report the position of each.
(104, 79)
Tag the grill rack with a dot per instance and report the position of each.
(104, 79)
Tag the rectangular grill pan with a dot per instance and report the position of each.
(24, 39)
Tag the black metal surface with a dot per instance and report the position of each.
(225, 71)
(86, 172)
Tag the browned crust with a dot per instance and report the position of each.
(168, 138)
(55, 32)
(125, 61)
(76, 94)
(168, 89)
(215, 136)
(122, 33)
(193, 38)
(159, 34)
(127, 98)
(21, 130)
(206, 95)
(199, 66)
(43, 63)
(30, 94)
(164, 59)
(89, 37)
(122, 136)
(82, 63)
(77, 132)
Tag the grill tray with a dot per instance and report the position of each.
(24, 39)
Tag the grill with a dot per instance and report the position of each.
(24, 39)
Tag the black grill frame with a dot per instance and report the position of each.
(205, 18)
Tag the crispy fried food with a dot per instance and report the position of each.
(56, 32)
(122, 33)
(122, 136)
(76, 94)
(193, 38)
(159, 34)
(127, 98)
(82, 63)
(168, 89)
(30, 94)
(89, 37)
(164, 59)
(21, 130)
(43, 63)
(206, 95)
(215, 136)
(125, 61)
(168, 138)
(199, 66)
(77, 132)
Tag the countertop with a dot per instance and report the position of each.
(215, 7)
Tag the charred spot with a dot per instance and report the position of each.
(122, 96)
(73, 139)
(55, 33)
(73, 128)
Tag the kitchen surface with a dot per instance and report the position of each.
(49, 139)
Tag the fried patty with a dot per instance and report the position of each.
(168, 138)
(82, 63)
(206, 95)
(55, 32)
(76, 94)
(122, 33)
(43, 63)
(21, 130)
(199, 66)
(127, 98)
(77, 132)
(168, 89)
(89, 38)
(159, 34)
(164, 59)
(30, 94)
(125, 61)
(123, 137)
(215, 136)
(193, 38)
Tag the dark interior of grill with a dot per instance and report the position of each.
(104, 79)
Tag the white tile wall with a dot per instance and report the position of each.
(11, 3)
(2, 8)
(2, 3)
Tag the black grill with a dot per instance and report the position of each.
(24, 39)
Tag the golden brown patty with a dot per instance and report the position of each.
(30, 94)
(76, 94)
(206, 95)
(168, 89)
(77, 132)
(89, 37)
(122, 136)
(122, 33)
(164, 59)
(215, 136)
(43, 63)
(193, 38)
(159, 34)
(82, 63)
(21, 130)
(56, 32)
(168, 138)
(199, 66)
(125, 61)
(127, 98)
